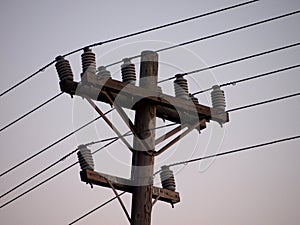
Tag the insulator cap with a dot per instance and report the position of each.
(181, 87)
(218, 98)
(85, 158)
(128, 71)
(88, 61)
(167, 178)
(63, 69)
(103, 72)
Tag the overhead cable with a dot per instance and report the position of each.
(127, 36)
(113, 139)
(213, 36)
(251, 78)
(236, 150)
(31, 111)
(51, 145)
(52, 177)
(264, 102)
(235, 60)
(95, 209)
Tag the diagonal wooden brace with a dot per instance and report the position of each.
(109, 123)
(127, 121)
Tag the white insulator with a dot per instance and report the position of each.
(218, 98)
(181, 87)
(103, 73)
(128, 71)
(88, 61)
(63, 68)
(167, 178)
(85, 158)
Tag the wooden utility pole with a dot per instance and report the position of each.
(142, 161)
(148, 103)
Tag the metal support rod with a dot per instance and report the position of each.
(127, 121)
(190, 128)
(119, 199)
(155, 200)
(109, 123)
(169, 134)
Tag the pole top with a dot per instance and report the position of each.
(149, 56)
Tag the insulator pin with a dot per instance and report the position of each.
(181, 87)
(128, 71)
(159, 90)
(85, 158)
(167, 178)
(88, 61)
(194, 99)
(63, 69)
(103, 73)
(218, 98)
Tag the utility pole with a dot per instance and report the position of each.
(148, 102)
(143, 162)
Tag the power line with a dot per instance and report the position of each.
(98, 207)
(235, 61)
(246, 148)
(113, 139)
(236, 150)
(53, 164)
(214, 35)
(53, 176)
(252, 77)
(27, 78)
(51, 145)
(39, 173)
(127, 36)
(264, 102)
(31, 111)
(230, 31)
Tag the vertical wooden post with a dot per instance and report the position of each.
(142, 162)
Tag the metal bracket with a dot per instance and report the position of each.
(190, 128)
(169, 134)
(155, 200)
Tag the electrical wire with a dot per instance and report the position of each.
(246, 148)
(213, 36)
(51, 177)
(234, 61)
(187, 161)
(127, 36)
(27, 78)
(51, 145)
(264, 102)
(71, 153)
(95, 209)
(113, 139)
(251, 78)
(31, 111)
(236, 150)
(39, 173)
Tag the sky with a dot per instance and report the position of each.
(261, 186)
